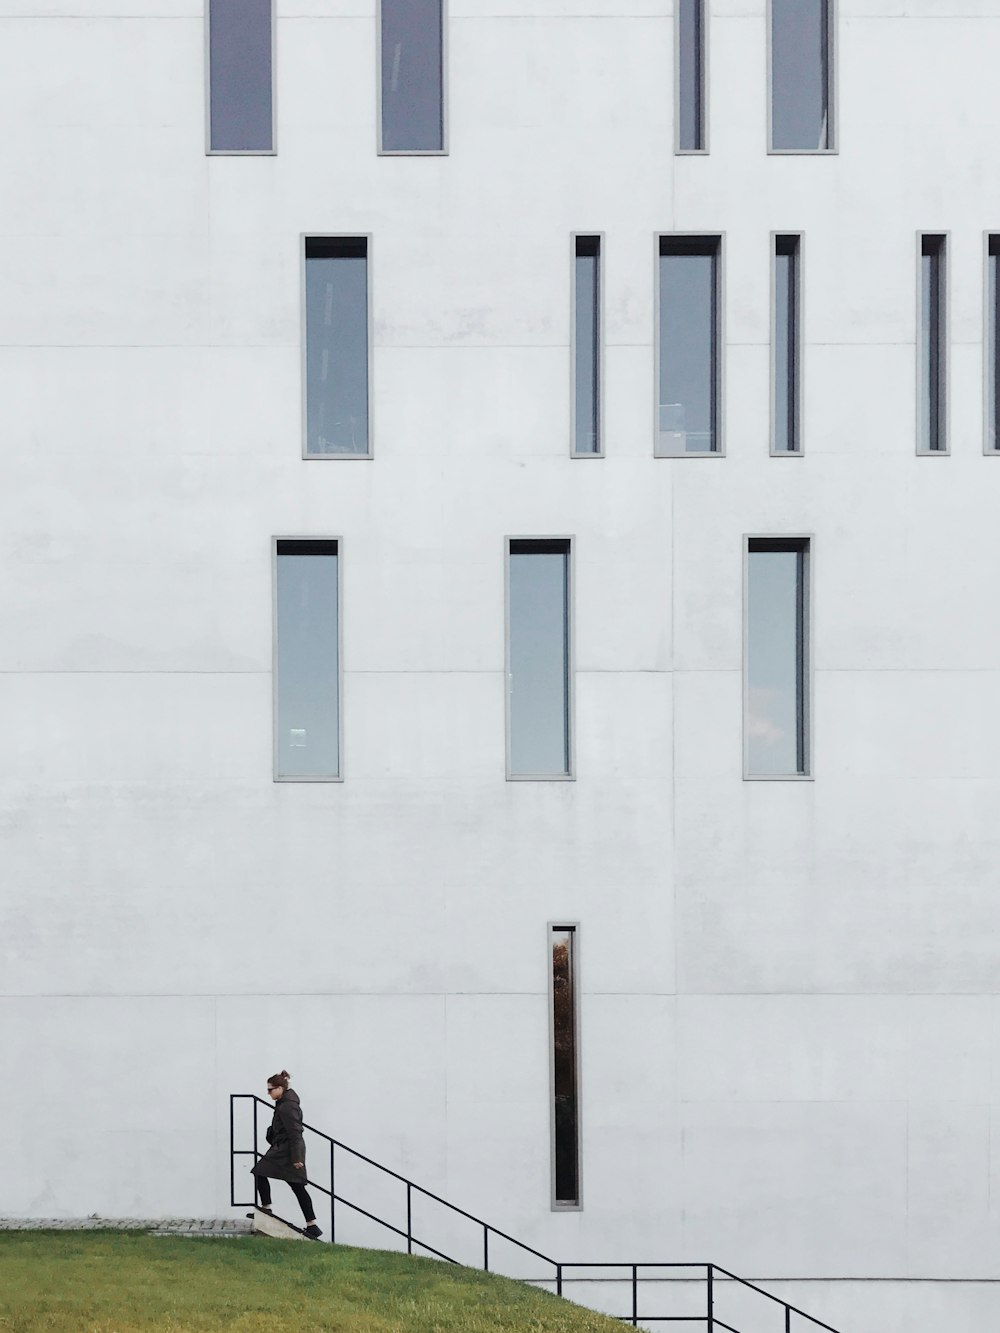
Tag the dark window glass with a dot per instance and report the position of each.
(776, 665)
(337, 346)
(566, 1111)
(932, 345)
(239, 43)
(993, 346)
(691, 75)
(688, 414)
(306, 660)
(800, 74)
(412, 76)
(786, 345)
(587, 346)
(538, 658)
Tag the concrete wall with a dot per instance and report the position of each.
(790, 1008)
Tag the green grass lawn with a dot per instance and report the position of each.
(118, 1282)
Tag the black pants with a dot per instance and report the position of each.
(300, 1192)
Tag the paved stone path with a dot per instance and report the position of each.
(158, 1226)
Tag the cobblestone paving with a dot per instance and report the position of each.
(158, 1226)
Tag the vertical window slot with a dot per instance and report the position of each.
(565, 1068)
(933, 352)
(240, 76)
(691, 77)
(776, 660)
(786, 359)
(801, 64)
(992, 345)
(587, 395)
(337, 347)
(411, 65)
(307, 660)
(689, 359)
(539, 679)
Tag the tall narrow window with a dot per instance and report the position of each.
(587, 347)
(688, 346)
(565, 1069)
(801, 62)
(786, 355)
(992, 345)
(690, 76)
(538, 658)
(240, 75)
(411, 67)
(776, 664)
(307, 661)
(932, 346)
(336, 351)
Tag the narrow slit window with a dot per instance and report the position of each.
(688, 347)
(691, 100)
(776, 662)
(801, 61)
(933, 352)
(587, 347)
(412, 76)
(993, 345)
(240, 78)
(565, 1069)
(337, 347)
(307, 660)
(538, 658)
(787, 352)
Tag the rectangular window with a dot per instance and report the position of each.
(336, 347)
(587, 348)
(786, 351)
(776, 658)
(411, 76)
(240, 76)
(992, 345)
(690, 76)
(932, 346)
(538, 658)
(307, 660)
(565, 1069)
(801, 65)
(689, 346)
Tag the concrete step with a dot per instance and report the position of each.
(264, 1224)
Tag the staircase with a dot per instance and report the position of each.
(699, 1296)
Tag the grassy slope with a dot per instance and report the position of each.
(115, 1282)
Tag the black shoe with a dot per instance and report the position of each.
(312, 1232)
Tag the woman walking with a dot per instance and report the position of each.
(285, 1159)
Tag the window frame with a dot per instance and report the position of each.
(944, 409)
(556, 1205)
(807, 541)
(570, 774)
(444, 150)
(207, 48)
(799, 344)
(719, 237)
(991, 348)
(706, 19)
(339, 542)
(832, 88)
(599, 237)
(367, 237)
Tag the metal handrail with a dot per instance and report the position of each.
(711, 1319)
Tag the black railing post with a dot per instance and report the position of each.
(409, 1218)
(486, 1248)
(333, 1220)
(711, 1302)
(232, 1150)
(559, 1269)
(253, 1178)
(635, 1295)
(788, 1319)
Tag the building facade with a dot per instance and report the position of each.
(579, 478)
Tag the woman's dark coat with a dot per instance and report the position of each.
(284, 1134)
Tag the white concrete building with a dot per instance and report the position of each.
(787, 989)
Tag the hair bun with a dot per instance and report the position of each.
(285, 1074)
